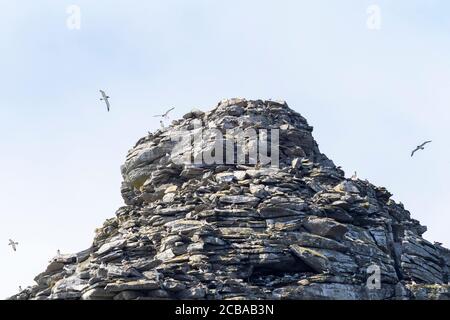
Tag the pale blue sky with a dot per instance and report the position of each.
(371, 96)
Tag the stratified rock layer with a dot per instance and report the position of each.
(299, 231)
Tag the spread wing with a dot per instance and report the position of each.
(414, 151)
(108, 106)
(426, 142)
(167, 112)
(103, 93)
(158, 115)
(13, 244)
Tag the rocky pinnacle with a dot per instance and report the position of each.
(242, 230)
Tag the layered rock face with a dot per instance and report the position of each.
(297, 230)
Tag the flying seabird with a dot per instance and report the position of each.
(105, 98)
(164, 115)
(13, 244)
(421, 147)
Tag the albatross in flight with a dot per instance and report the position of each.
(164, 115)
(105, 98)
(421, 147)
(13, 244)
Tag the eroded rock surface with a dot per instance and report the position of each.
(297, 231)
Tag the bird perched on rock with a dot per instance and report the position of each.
(164, 115)
(13, 244)
(105, 98)
(420, 147)
(354, 176)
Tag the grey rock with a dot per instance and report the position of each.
(68, 288)
(97, 294)
(239, 199)
(325, 227)
(346, 186)
(235, 231)
(311, 258)
(192, 293)
(132, 285)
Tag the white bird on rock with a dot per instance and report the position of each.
(421, 147)
(13, 244)
(105, 98)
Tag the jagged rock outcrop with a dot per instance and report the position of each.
(300, 230)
